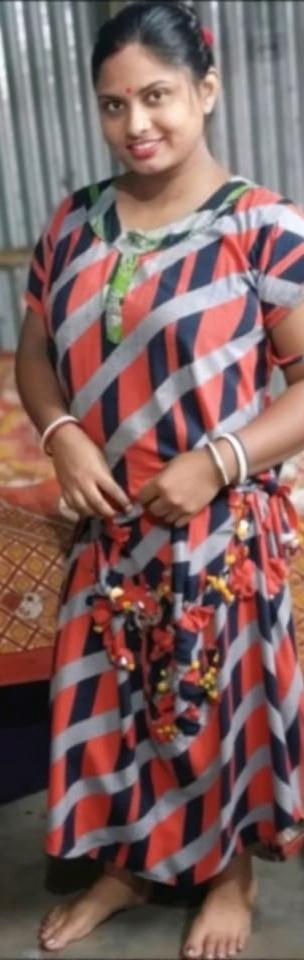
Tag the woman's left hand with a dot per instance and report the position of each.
(183, 488)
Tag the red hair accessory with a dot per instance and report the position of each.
(207, 37)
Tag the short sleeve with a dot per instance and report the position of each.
(39, 268)
(280, 267)
(42, 259)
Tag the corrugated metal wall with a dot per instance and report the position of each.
(50, 141)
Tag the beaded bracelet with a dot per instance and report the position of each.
(48, 433)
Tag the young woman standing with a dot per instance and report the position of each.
(158, 303)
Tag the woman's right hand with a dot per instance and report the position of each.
(83, 474)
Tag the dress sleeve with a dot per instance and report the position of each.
(42, 259)
(34, 295)
(280, 266)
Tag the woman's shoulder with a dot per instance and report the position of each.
(73, 209)
(265, 205)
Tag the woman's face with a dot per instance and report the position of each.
(152, 114)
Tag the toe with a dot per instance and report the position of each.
(221, 950)
(191, 952)
(232, 948)
(209, 948)
(241, 941)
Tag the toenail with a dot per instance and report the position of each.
(191, 952)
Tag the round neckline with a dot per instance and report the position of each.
(173, 226)
(105, 222)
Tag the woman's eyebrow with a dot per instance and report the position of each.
(116, 96)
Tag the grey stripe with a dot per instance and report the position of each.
(262, 812)
(239, 418)
(75, 606)
(290, 703)
(246, 639)
(72, 269)
(78, 321)
(281, 292)
(189, 377)
(164, 872)
(143, 552)
(164, 259)
(86, 730)
(255, 217)
(106, 198)
(255, 698)
(213, 294)
(202, 844)
(173, 799)
(260, 759)
(210, 548)
(295, 779)
(133, 832)
(93, 665)
(73, 220)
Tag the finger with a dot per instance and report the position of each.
(109, 486)
(77, 502)
(98, 504)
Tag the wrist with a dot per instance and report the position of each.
(229, 459)
(55, 429)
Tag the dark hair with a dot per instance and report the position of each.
(170, 28)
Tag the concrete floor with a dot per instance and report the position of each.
(152, 933)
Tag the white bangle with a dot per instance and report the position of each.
(219, 463)
(239, 453)
(59, 422)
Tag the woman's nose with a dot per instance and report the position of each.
(137, 120)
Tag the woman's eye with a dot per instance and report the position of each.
(156, 96)
(113, 106)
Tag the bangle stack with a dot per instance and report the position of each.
(219, 463)
(52, 428)
(240, 453)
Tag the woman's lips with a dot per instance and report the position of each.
(144, 150)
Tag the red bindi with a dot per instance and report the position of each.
(128, 90)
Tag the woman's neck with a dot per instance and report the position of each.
(197, 178)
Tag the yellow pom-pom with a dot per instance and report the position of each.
(116, 593)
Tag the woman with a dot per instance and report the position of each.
(158, 303)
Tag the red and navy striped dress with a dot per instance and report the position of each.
(177, 700)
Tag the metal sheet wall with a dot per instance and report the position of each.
(50, 141)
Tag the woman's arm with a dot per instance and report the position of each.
(278, 432)
(81, 468)
(190, 481)
(36, 381)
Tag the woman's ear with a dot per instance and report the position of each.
(210, 89)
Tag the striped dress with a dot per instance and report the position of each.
(177, 700)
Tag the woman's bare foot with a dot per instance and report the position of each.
(115, 890)
(223, 924)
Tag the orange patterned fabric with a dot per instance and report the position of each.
(34, 538)
(32, 551)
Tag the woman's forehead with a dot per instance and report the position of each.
(133, 68)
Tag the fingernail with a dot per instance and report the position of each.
(51, 943)
(190, 952)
